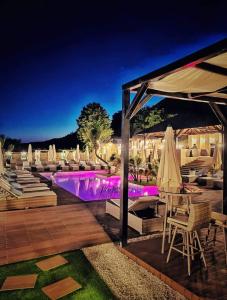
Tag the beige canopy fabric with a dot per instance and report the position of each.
(217, 160)
(169, 176)
(190, 80)
(29, 157)
(219, 60)
(1, 160)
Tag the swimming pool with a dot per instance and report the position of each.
(94, 185)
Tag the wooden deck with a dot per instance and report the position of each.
(207, 284)
(39, 232)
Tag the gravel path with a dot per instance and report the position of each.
(125, 278)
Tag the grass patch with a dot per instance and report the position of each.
(78, 268)
(144, 183)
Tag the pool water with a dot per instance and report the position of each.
(94, 185)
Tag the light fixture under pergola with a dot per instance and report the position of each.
(199, 77)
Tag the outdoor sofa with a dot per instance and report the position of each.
(215, 181)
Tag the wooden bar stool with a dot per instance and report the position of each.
(218, 221)
(199, 216)
(175, 203)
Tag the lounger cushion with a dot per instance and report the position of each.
(138, 204)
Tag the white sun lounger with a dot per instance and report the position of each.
(74, 167)
(134, 221)
(27, 185)
(27, 179)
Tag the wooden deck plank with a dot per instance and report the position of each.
(38, 232)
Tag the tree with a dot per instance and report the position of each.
(8, 144)
(116, 123)
(94, 127)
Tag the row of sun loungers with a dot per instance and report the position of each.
(20, 189)
(61, 165)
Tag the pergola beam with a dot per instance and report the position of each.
(212, 68)
(141, 103)
(218, 113)
(136, 100)
(188, 97)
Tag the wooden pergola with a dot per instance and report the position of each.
(199, 77)
(186, 131)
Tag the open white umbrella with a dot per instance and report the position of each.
(143, 154)
(169, 176)
(87, 155)
(217, 160)
(37, 155)
(50, 153)
(66, 155)
(77, 153)
(74, 154)
(134, 149)
(29, 157)
(54, 153)
(155, 152)
(1, 160)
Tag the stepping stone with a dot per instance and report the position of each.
(19, 282)
(61, 288)
(51, 263)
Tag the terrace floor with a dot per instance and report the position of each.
(97, 208)
(207, 284)
(74, 224)
(39, 232)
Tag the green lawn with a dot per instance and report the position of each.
(144, 182)
(79, 268)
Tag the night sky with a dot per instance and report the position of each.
(57, 56)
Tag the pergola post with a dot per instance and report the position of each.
(125, 134)
(225, 171)
(223, 120)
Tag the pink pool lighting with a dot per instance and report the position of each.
(94, 186)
